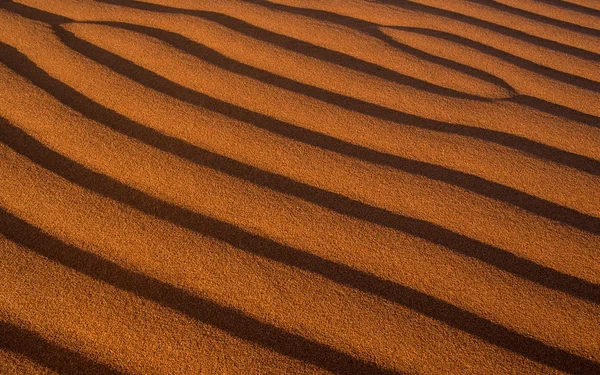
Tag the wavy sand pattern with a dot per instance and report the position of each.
(299, 186)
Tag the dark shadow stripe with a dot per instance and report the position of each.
(467, 181)
(568, 363)
(532, 39)
(302, 47)
(537, 149)
(36, 348)
(159, 83)
(571, 79)
(565, 4)
(458, 243)
(558, 111)
(33, 13)
(537, 17)
(225, 318)
(231, 320)
(371, 29)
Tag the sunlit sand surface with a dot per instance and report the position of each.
(299, 186)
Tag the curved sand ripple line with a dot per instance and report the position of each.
(327, 199)
(296, 186)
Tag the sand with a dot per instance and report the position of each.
(299, 186)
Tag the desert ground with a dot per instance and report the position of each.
(299, 187)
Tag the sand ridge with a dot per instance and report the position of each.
(253, 186)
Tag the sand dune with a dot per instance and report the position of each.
(299, 186)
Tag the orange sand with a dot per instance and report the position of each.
(299, 186)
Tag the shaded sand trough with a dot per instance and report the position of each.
(299, 186)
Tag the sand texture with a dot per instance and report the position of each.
(299, 187)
